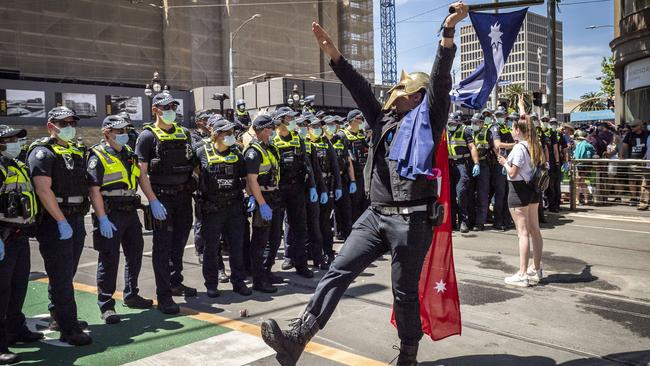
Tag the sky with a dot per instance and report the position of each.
(583, 49)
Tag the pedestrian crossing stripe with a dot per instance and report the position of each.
(148, 337)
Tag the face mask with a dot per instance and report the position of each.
(168, 116)
(302, 131)
(67, 133)
(242, 108)
(500, 119)
(229, 140)
(509, 124)
(331, 130)
(452, 127)
(292, 126)
(545, 125)
(365, 125)
(271, 137)
(554, 127)
(122, 139)
(475, 127)
(488, 120)
(12, 150)
(317, 132)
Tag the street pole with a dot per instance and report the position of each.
(495, 91)
(539, 75)
(231, 58)
(551, 75)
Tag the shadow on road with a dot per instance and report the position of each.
(639, 358)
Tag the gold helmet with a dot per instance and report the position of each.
(408, 84)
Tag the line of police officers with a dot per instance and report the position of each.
(292, 176)
(477, 179)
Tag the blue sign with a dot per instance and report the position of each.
(602, 115)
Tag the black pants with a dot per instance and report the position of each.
(129, 235)
(343, 210)
(14, 277)
(229, 222)
(499, 184)
(199, 240)
(260, 249)
(314, 237)
(359, 201)
(169, 243)
(554, 191)
(325, 226)
(407, 238)
(61, 258)
(482, 185)
(293, 204)
(462, 190)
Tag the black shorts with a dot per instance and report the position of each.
(521, 194)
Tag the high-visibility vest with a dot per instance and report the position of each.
(457, 139)
(114, 170)
(269, 173)
(17, 190)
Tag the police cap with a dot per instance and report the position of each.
(355, 113)
(115, 122)
(7, 132)
(263, 121)
(203, 114)
(477, 117)
(61, 113)
(284, 111)
(500, 112)
(163, 99)
(218, 124)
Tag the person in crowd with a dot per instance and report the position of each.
(634, 146)
(583, 150)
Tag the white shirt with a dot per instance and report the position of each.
(520, 157)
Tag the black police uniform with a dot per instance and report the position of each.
(171, 162)
(397, 219)
(18, 209)
(116, 174)
(546, 146)
(343, 207)
(498, 180)
(314, 239)
(262, 159)
(358, 148)
(66, 166)
(220, 200)
(297, 176)
(243, 117)
(460, 172)
(553, 193)
(485, 146)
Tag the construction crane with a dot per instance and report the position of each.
(388, 43)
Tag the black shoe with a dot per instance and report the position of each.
(110, 317)
(138, 302)
(241, 288)
(464, 228)
(212, 293)
(168, 307)
(324, 266)
(183, 290)
(265, 287)
(274, 279)
(7, 357)
(54, 324)
(25, 337)
(76, 338)
(304, 271)
(287, 264)
(408, 355)
(289, 344)
(542, 219)
(223, 277)
(479, 227)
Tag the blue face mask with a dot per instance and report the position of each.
(67, 133)
(271, 137)
(331, 129)
(302, 131)
(488, 120)
(122, 139)
(500, 119)
(168, 116)
(509, 124)
(317, 132)
(229, 140)
(292, 126)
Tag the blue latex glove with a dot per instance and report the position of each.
(266, 212)
(353, 187)
(338, 194)
(324, 197)
(106, 227)
(2, 250)
(65, 230)
(158, 210)
(251, 205)
(476, 170)
(313, 195)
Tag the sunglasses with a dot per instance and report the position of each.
(167, 107)
(64, 124)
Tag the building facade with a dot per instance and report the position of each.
(523, 66)
(631, 49)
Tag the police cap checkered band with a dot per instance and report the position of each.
(6, 132)
(263, 121)
(114, 122)
(59, 113)
(355, 113)
(163, 99)
(284, 111)
(203, 114)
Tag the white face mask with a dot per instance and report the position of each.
(476, 127)
(229, 140)
(12, 150)
(67, 134)
(168, 116)
(545, 125)
(271, 137)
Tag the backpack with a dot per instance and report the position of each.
(541, 179)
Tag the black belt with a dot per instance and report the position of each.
(173, 190)
(397, 210)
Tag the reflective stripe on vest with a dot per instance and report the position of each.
(308, 146)
(352, 137)
(16, 179)
(214, 158)
(269, 162)
(456, 140)
(480, 139)
(115, 171)
(179, 133)
(281, 144)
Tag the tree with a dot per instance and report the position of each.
(607, 80)
(512, 93)
(592, 101)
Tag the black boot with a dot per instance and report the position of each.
(289, 344)
(408, 355)
(7, 357)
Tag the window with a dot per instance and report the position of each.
(632, 6)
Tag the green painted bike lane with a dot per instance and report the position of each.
(141, 333)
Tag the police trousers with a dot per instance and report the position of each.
(325, 226)
(293, 204)
(61, 258)
(199, 240)
(499, 184)
(169, 242)
(407, 238)
(358, 199)
(228, 221)
(14, 277)
(554, 191)
(314, 238)
(260, 247)
(129, 236)
(462, 189)
(482, 184)
(343, 209)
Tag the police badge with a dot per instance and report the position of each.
(40, 155)
(92, 163)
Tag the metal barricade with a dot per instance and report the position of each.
(601, 182)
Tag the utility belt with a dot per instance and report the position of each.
(15, 205)
(215, 203)
(435, 211)
(459, 158)
(122, 203)
(188, 187)
(74, 205)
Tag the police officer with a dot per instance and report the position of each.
(220, 200)
(18, 210)
(485, 147)
(297, 176)
(546, 148)
(241, 114)
(354, 139)
(308, 106)
(58, 170)
(488, 118)
(201, 133)
(113, 174)
(343, 206)
(263, 178)
(330, 190)
(553, 193)
(24, 148)
(131, 131)
(463, 161)
(503, 143)
(166, 163)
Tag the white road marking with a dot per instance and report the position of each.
(635, 219)
(610, 228)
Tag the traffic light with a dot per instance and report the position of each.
(537, 99)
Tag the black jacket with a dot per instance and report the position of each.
(402, 191)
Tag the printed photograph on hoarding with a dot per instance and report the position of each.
(131, 105)
(23, 103)
(85, 105)
(179, 110)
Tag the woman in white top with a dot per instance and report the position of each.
(523, 200)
